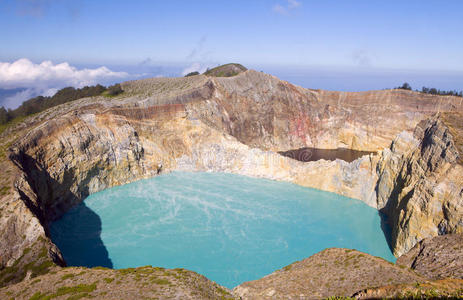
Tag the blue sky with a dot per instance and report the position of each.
(421, 37)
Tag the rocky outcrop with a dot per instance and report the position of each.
(332, 272)
(420, 185)
(436, 258)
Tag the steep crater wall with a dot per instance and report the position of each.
(228, 125)
(420, 186)
(67, 158)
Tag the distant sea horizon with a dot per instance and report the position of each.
(348, 79)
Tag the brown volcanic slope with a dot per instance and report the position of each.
(331, 272)
(53, 160)
(436, 258)
(100, 283)
(347, 273)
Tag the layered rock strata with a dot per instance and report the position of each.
(420, 185)
(233, 125)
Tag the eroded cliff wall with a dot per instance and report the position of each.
(232, 125)
(264, 112)
(420, 186)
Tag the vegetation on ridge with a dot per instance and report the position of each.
(192, 74)
(432, 91)
(228, 70)
(41, 103)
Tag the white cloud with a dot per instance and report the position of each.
(199, 58)
(195, 67)
(24, 73)
(15, 100)
(45, 78)
(285, 9)
(293, 4)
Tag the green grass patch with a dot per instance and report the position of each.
(160, 281)
(43, 252)
(108, 279)
(287, 268)
(4, 190)
(81, 288)
(222, 291)
(13, 122)
(40, 269)
(180, 270)
(79, 296)
(100, 268)
(126, 271)
(228, 70)
(402, 266)
(67, 276)
(40, 296)
(9, 270)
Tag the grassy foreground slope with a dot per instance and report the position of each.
(337, 272)
(133, 283)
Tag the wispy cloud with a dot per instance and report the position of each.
(45, 78)
(287, 7)
(40, 8)
(145, 62)
(362, 58)
(195, 67)
(198, 57)
(198, 50)
(35, 8)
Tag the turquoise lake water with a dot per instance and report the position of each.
(227, 227)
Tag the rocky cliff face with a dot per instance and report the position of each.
(233, 125)
(264, 112)
(420, 186)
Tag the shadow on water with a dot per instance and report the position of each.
(83, 225)
(386, 228)
(78, 232)
(393, 204)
